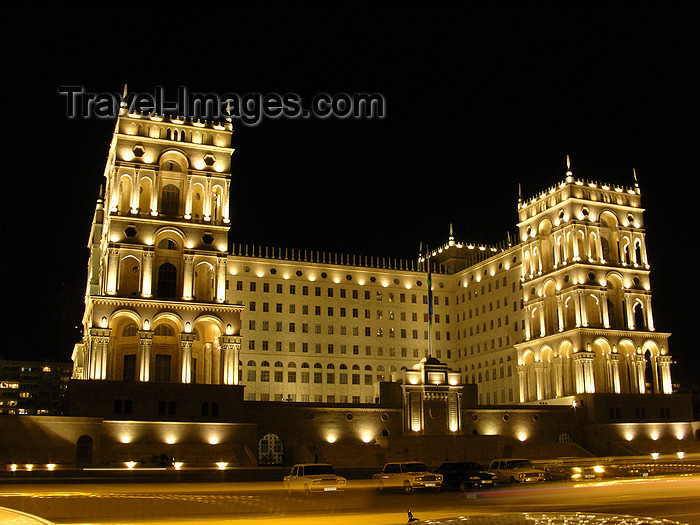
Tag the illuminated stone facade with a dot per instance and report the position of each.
(564, 310)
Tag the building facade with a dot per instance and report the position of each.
(33, 387)
(563, 310)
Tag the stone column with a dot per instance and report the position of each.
(528, 329)
(664, 362)
(581, 297)
(186, 340)
(629, 311)
(207, 199)
(155, 191)
(577, 307)
(221, 261)
(579, 383)
(604, 308)
(225, 203)
(560, 312)
(135, 192)
(538, 379)
(99, 345)
(543, 328)
(522, 379)
(557, 372)
(112, 269)
(188, 276)
(230, 348)
(655, 374)
(208, 363)
(145, 341)
(147, 273)
(188, 196)
(650, 317)
(640, 368)
(589, 377)
(615, 372)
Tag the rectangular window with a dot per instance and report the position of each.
(265, 376)
(162, 368)
(304, 377)
(343, 377)
(130, 367)
(279, 376)
(355, 379)
(318, 377)
(291, 377)
(251, 375)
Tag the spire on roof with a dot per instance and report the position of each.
(569, 175)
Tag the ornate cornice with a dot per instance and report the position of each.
(126, 302)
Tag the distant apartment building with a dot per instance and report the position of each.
(33, 387)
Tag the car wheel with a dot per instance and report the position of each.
(463, 486)
(407, 488)
(307, 491)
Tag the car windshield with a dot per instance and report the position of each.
(519, 463)
(315, 470)
(471, 466)
(414, 467)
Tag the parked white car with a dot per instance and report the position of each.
(313, 477)
(407, 477)
(515, 471)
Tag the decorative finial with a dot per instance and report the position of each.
(569, 175)
(520, 192)
(634, 174)
(123, 110)
(451, 230)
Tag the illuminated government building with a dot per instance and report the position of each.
(564, 310)
(541, 346)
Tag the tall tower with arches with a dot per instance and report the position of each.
(155, 303)
(587, 295)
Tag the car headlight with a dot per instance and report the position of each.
(598, 469)
(341, 481)
(316, 482)
(575, 476)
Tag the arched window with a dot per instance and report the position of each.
(167, 244)
(317, 365)
(130, 330)
(355, 367)
(170, 200)
(251, 363)
(639, 323)
(292, 365)
(343, 367)
(330, 366)
(167, 280)
(305, 365)
(278, 364)
(368, 367)
(264, 363)
(164, 329)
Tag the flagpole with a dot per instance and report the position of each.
(430, 305)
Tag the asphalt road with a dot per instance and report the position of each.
(671, 497)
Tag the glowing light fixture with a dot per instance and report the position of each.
(680, 455)
(178, 465)
(331, 438)
(29, 466)
(13, 467)
(222, 464)
(655, 455)
(130, 464)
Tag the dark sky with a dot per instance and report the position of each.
(478, 99)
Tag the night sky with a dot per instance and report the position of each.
(478, 100)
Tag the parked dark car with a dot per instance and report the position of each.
(465, 474)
